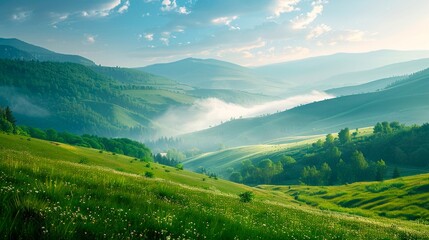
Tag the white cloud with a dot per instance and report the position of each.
(124, 7)
(212, 111)
(90, 39)
(284, 6)
(168, 5)
(101, 9)
(149, 36)
(303, 20)
(183, 10)
(352, 36)
(21, 16)
(165, 41)
(318, 31)
(226, 21)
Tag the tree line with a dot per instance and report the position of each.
(344, 159)
(115, 145)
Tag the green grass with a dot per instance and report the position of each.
(220, 161)
(403, 198)
(56, 191)
(161, 96)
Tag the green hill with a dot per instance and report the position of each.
(215, 74)
(385, 72)
(312, 73)
(377, 85)
(12, 48)
(405, 102)
(404, 198)
(51, 191)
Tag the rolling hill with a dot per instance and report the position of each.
(319, 70)
(215, 74)
(12, 48)
(405, 102)
(392, 70)
(52, 190)
(377, 85)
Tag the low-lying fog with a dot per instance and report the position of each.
(210, 112)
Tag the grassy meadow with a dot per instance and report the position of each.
(56, 191)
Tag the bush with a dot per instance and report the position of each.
(149, 174)
(246, 196)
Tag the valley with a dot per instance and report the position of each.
(328, 146)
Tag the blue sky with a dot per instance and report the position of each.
(136, 33)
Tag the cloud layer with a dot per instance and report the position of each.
(212, 111)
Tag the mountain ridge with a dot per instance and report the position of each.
(37, 53)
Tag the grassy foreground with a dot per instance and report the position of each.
(51, 191)
(404, 198)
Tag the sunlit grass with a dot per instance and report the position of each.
(50, 195)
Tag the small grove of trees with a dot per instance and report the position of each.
(264, 172)
(7, 120)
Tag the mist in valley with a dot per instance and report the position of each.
(209, 112)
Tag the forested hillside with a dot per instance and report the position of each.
(15, 49)
(344, 159)
(71, 97)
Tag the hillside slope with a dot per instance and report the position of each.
(53, 191)
(215, 74)
(405, 198)
(405, 102)
(318, 70)
(377, 85)
(392, 70)
(12, 48)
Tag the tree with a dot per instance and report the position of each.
(10, 117)
(380, 170)
(236, 177)
(378, 128)
(329, 141)
(325, 173)
(359, 165)
(344, 136)
(386, 127)
(396, 173)
(310, 175)
(287, 160)
(267, 170)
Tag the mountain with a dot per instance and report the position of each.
(406, 101)
(12, 48)
(73, 97)
(316, 70)
(392, 70)
(373, 86)
(294, 77)
(215, 74)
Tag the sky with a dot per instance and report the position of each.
(136, 33)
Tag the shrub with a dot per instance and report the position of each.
(149, 174)
(246, 196)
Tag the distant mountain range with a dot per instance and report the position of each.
(12, 48)
(406, 101)
(215, 74)
(294, 77)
